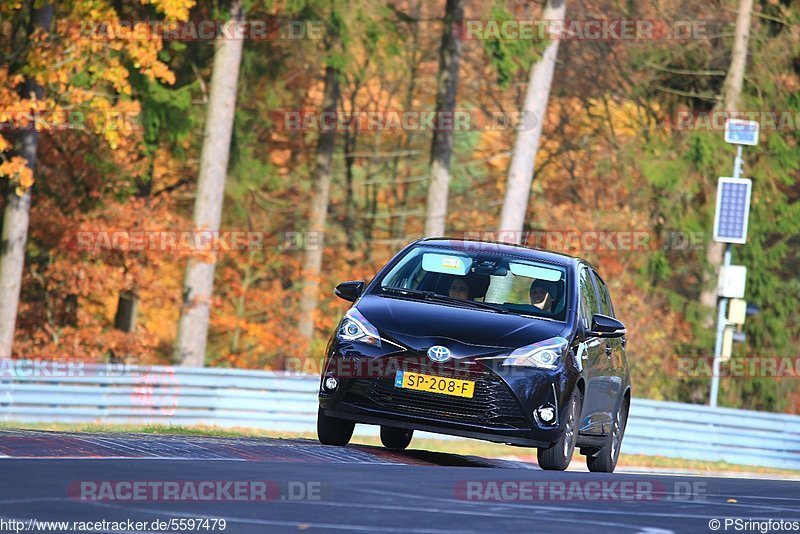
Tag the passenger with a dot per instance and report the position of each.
(459, 288)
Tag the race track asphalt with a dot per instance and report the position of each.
(51, 476)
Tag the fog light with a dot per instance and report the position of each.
(547, 414)
(331, 383)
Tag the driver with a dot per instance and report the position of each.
(540, 296)
(459, 288)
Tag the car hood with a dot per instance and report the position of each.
(466, 331)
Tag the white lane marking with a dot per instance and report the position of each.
(191, 459)
(183, 458)
(726, 495)
(725, 475)
(497, 510)
(569, 505)
(499, 513)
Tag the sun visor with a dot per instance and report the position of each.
(446, 263)
(533, 271)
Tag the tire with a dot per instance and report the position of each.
(558, 456)
(396, 438)
(605, 460)
(332, 430)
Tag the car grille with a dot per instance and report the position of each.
(492, 404)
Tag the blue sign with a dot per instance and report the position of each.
(741, 132)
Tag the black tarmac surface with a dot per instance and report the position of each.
(265, 485)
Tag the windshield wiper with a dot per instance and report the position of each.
(432, 295)
(407, 292)
(475, 303)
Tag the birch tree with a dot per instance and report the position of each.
(199, 281)
(318, 214)
(526, 145)
(442, 144)
(16, 216)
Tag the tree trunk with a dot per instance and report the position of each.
(16, 216)
(199, 282)
(399, 191)
(731, 100)
(312, 262)
(520, 173)
(442, 145)
(125, 317)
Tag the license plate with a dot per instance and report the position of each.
(434, 384)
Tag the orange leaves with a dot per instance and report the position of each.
(16, 169)
(89, 282)
(83, 69)
(172, 9)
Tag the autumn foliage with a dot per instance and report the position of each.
(121, 142)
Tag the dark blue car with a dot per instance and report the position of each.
(483, 340)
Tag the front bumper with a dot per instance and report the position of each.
(501, 409)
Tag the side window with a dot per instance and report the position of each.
(605, 299)
(589, 303)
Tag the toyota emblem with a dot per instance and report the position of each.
(439, 353)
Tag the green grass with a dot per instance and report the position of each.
(462, 447)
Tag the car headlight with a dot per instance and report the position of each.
(355, 327)
(545, 354)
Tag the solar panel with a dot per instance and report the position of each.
(733, 210)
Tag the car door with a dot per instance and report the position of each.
(595, 417)
(617, 344)
(614, 349)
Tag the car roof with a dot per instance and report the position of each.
(508, 248)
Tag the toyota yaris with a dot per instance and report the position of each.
(483, 340)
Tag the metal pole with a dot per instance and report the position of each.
(737, 163)
(721, 324)
(723, 302)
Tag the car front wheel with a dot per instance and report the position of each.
(558, 456)
(396, 438)
(605, 460)
(332, 430)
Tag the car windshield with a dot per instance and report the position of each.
(487, 280)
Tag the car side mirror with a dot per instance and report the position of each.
(350, 291)
(605, 326)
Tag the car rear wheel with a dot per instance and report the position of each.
(396, 438)
(605, 460)
(558, 456)
(332, 430)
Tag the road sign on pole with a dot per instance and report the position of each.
(741, 132)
